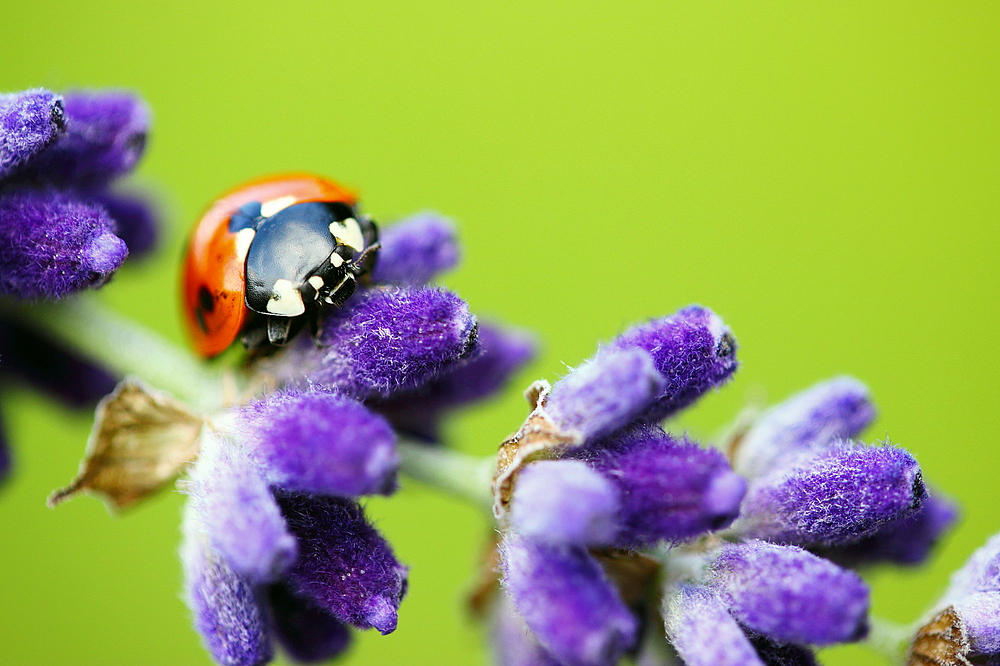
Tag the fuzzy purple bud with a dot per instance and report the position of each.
(503, 351)
(308, 633)
(225, 606)
(30, 121)
(818, 417)
(605, 393)
(566, 600)
(320, 442)
(693, 351)
(345, 566)
(981, 573)
(135, 221)
(52, 244)
(564, 502)
(105, 137)
(390, 340)
(790, 595)
(703, 632)
(416, 249)
(846, 493)
(243, 522)
(671, 490)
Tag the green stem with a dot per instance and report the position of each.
(889, 639)
(125, 347)
(449, 471)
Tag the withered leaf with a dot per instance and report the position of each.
(941, 642)
(630, 571)
(539, 438)
(140, 441)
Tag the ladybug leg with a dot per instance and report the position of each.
(365, 263)
(278, 330)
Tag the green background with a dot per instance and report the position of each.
(823, 175)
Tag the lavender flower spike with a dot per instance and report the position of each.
(790, 595)
(567, 602)
(389, 340)
(52, 244)
(833, 410)
(242, 520)
(845, 494)
(30, 122)
(319, 442)
(703, 632)
(693, 351)
(605, 393)
(565, 502)
(416, 249)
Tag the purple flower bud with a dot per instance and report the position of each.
(134, 221)
(818, 417)
(670, 490)
(512, 642)
(319, 442)
(564, 502)
(777, 654)
(105, 137)
(565, 599)
(308, 633)
(504, 351)
(416, 249)
(345, 566)
(390, 340)
(225, 606)
(905, 541)
(790, 595)
(67, 377)
(981, 573)
(703, 632)
(30, 121)
(243, 522)
(52, 244)
(692, 349)
(605, 393)
(846, 493)
(980, 613)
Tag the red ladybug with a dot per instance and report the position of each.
(265, 256)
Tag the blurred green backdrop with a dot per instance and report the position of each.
(825, 176)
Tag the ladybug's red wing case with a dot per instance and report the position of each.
(214, 274)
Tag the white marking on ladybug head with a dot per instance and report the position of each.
(285, 300)
(243, 240)
(348, 232)
(336, 260)
(316, 282)
(269, 208)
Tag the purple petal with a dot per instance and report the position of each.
(416, 249)
(834, 410)
(777, 654)
(67, 377)
(243, 522)
(512, 642)
(566, 600)
(844, 494)
(693, 350)
(671, 490)
(135, 221)
(564, 502)
(344, 566)
(105, 137)
(225, 606)
(389, 340)
(981, 614)
(504, 351)
(52, 244)
(606, 393)
(30, 121)
(981, 573)
(308, 633)
(905, 541)
(320, 442)
(703, 632)
(790, 595)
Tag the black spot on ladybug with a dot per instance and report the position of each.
(200, 316)
(205, 300)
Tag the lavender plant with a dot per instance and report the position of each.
(616, 539)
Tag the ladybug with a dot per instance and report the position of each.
(264, 258)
